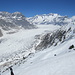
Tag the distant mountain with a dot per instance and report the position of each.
(51, 18)
(14, 20)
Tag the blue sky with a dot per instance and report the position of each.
(35, 7)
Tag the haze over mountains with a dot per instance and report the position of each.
(39, 45)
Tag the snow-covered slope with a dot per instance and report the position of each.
(47, 50)
(15, 47)
(57, 60)
(73, 19)
(51, 18)
(54, 60)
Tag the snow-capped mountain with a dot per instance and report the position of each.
(47, 50)
(13, 20)
(51, 18)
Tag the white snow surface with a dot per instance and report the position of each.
(18, 45)
(22, 39)
(44, 62)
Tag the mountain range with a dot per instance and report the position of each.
(51, 18)
(14, 20)
(39, 45)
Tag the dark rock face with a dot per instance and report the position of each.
(1, 33)
(14, 20)
(71, 47)
(50, 39)
(53, 38)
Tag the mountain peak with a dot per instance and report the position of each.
(14, 20)
(53, 14)
(17, 13)
(4, 12)
(50, 14)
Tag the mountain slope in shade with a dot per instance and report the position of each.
(14, 20)
(55, 38)
(1, 34)
(51, 18)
